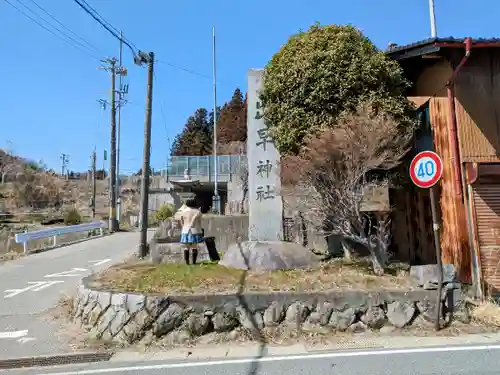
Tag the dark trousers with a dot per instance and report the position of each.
(194, 254)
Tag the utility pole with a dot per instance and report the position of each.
(148, 58)
(121, 92)
(112, 160)
(94, 157)
(64, 164)
(103, 103)
(432, 15)
(216, 198)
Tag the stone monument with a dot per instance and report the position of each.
(265, 206)
(265, 248)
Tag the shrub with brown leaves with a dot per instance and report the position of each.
(333, 167)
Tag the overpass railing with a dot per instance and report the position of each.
(204, 166)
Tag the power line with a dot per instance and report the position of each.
(161, 108)
(87, 8)
(50, 31)
(116, 33)
(164, 121)
(55, 27)
(107, 23)
(65, 27)
(97, 13)
(191, 72)
(184, 69)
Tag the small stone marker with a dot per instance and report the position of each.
(265, 205)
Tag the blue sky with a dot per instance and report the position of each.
(49, 89)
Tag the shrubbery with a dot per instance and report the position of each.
(165, 212)
(72, 217)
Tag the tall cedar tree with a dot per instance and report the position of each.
(196, 137)
(232, 124)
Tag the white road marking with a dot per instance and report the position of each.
(99, 262)
(15, 292)
(44, 284)
(346, 354)
(13, 334)
(71, 273)
(34, 286)
(24, 340)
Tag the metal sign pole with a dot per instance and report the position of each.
(426, 170)
(437, 244)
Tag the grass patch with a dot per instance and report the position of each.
(210, 278)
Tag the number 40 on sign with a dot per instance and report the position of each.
(426, 169)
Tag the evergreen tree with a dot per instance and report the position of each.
(196, 137)
(232, 125)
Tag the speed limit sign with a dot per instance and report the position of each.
(426, 169)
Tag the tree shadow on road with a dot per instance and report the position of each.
(256, 332)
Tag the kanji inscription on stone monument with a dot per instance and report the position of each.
(264, 184)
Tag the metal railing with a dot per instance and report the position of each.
(25, 237)
(203, 166)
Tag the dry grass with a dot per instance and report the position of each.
(487, 313)
(64, 307)
(11, 255)
(209, 278)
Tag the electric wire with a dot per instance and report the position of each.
(51, 31)
(162, 113)
(161, 107)
(190, 71)
(65, 27)
(184, 69)
(105, 24)
(116, 33)
(54, 27)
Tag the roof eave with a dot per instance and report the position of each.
(414, 52)
(435, 45)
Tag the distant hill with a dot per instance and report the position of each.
(27, 188)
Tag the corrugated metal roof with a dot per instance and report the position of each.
(429, 41)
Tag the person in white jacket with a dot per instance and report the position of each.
(191, 233)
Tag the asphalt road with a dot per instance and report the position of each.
(451, 360)
(32, 285)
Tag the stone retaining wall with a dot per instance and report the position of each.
(128, 318)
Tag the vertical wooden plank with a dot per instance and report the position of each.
(454, 236)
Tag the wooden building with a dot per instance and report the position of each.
(456, 86)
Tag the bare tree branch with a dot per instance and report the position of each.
(334, 166)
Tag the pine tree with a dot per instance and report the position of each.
(232, 125)
(196, 137)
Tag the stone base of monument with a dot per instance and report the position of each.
(173, 252)
(268, 256)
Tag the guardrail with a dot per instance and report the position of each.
(25, 237)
